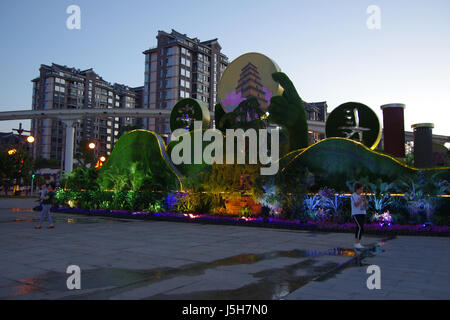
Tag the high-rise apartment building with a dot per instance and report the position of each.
(61, 87)
(180, 67)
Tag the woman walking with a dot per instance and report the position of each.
(47, 199)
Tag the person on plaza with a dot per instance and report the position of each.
(359, 205)
(47, 195)
(42, 192)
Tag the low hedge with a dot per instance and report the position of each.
(370, 228)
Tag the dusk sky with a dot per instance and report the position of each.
(325, 47)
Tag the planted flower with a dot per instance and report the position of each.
(383, 219)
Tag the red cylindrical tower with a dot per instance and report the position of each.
(394, 129)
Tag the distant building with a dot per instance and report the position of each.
(11, 140)
(61, 87)
(316, 115)
(180, 67)
(8, 139)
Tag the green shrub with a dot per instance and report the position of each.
(246, 212)
(81, 179)
(156, 206)
(64, 196)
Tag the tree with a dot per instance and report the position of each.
(84, 155)
(81, 179)
(135, 177)
(15, 167)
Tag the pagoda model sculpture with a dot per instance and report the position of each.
(250, 85)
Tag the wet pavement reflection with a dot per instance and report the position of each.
(271, 283)
(61, 220)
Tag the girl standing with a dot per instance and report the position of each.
(359, 205)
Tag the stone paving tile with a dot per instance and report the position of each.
(150, 290)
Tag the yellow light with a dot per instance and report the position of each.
(12, 151)
(91, 145)
(30, 139)
(102, 159)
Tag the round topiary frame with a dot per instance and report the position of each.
(367, 119)
(188, 110)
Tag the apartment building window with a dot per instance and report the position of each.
(186, 62)
(60, 89)
(185, 72)
(202, 78)
(185, 52)
(185, 83)
(59, 80)
(182, 94)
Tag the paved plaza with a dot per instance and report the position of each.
(132, 259)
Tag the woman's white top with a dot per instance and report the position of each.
(357, 209)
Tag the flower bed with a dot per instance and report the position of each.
(370, 228)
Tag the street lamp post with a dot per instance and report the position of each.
(30, 139)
